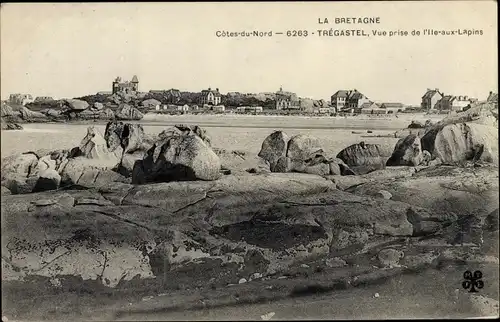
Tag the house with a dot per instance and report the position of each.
(183, 108)
(210, 97)
(431, 98)
(286, 100)
(367, 107)
(249, 109)
(393, 107)
(347, 100)
(454, 103)
(21, 99)
(119, 87)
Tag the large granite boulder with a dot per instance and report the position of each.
(305, 155)
(132, 140)
(179, 157)
(460, 142)
(94, 146)
(31, 116)
(274, 149)
(88, 173)
(97, 106)
(76, 105)
(364, 157)
(21, 164)
(107, 114)
(183, 129)
(128, 112)
(408, 151)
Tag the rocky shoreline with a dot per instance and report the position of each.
(124, 210)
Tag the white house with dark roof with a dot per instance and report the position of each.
(347, 100)
(454, 103)
(431, 98)
(210, 97)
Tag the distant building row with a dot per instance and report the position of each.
(24, 99)
(434, 99)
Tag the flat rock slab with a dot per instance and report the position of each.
(229, 228)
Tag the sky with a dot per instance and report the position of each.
(70, 50)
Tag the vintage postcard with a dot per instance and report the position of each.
(249, 160)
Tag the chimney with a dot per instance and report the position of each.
(436, 89)
(217, 89)
(491, 92)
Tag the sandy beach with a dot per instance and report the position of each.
(228, 131)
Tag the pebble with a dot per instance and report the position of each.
(282, 277)
(377, 295)
(384, 194)
(255, 276)
(304, 266)
(242, 281)
(267, 316)
(147, 298)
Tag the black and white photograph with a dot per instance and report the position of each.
(233, 161)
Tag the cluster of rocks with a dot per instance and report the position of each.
(300, 153)
(68, 109)
(124, 154)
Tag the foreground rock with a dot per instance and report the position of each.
(465, 191)
(251, 223)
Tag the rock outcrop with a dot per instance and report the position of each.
(10, 126)
(121, 231)
(128, 112)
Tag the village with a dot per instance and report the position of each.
(342, 102)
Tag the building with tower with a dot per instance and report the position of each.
(126, 87)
